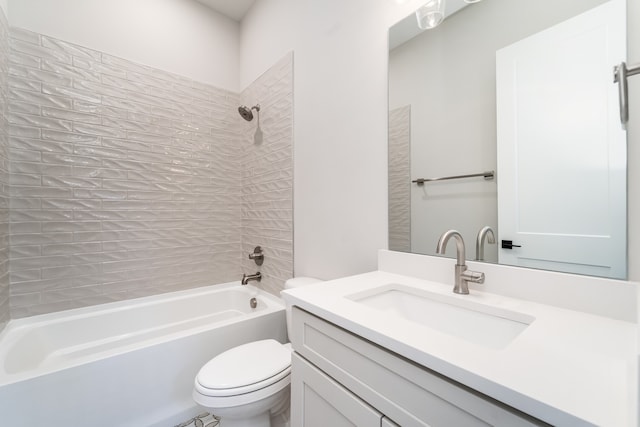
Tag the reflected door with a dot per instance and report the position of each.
(561, 169)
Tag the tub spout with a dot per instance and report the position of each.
(246, 278)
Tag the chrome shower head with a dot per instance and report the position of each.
(246, 112)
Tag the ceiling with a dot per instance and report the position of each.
(234, 9)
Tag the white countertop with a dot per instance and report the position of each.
(566, 368)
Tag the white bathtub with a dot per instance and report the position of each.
(129, 363)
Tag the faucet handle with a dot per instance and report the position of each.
(473, 276)
(257, 255)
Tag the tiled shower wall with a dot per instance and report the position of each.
(125, 180)
(267, 175)
(400, 179)
(4, 173)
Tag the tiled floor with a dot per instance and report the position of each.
(203, 420)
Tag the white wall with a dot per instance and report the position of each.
(180, 36)
(340, 123)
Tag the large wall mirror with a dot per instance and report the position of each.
(519, 94)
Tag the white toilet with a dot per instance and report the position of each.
(248, 385)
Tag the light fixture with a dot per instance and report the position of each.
(431, 14)
(472, 1)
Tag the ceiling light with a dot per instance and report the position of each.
(431, 14)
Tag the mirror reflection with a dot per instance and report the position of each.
(520, 94)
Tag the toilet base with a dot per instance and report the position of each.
(256, 414)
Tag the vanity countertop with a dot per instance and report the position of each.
(566, 368)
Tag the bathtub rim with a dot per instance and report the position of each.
(17, 327)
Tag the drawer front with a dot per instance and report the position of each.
(319, 401)
(405, 392)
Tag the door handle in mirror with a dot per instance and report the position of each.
(508, 244)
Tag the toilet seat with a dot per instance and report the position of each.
(246, 369)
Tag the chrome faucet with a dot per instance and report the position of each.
(462, 275)
(246, 278)
(485, 233)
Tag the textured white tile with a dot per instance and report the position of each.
(24, 108)
(25, 227)
(73, 93)
(19, 119)
(70, 182)
(24, 35)
(22, 179)
(70, 115)
(40, 238)
(97, 172)
(39, 51)
(70, 137)
(98, 67)
(71, 248)
(39, 75)
(25, 59)
(99, 89)
(99, 152)
(24, 84)
(39, 98)
(24, 251)
(71, 271)
(25, 300)
(69, 48)
(18, 156)
(16, 277)
(98, 130)
(69, 71)
(22, 131)
(150, 198)
(42, 192)
(99, 194)
(38, 168)
(67, 204)
(103, 110)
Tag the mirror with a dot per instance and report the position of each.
(523, 89)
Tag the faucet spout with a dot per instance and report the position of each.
(246, 278)
(460, 251)
(462, 276)
(486, 233)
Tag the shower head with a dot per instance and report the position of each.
(246, 112)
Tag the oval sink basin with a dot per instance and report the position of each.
(481, 324)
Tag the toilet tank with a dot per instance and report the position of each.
(293, 283)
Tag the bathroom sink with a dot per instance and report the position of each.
(486, 325)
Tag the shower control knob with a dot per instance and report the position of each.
(257, 255)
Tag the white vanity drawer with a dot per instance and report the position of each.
(405, 392)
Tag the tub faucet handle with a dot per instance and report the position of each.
(257, 255)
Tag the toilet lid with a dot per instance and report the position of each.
(245, 365)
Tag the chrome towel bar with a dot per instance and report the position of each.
(487, 175)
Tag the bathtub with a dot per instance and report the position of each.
(129, 363)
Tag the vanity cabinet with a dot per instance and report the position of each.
(339, 378)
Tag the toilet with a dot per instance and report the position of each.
(248, 385)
